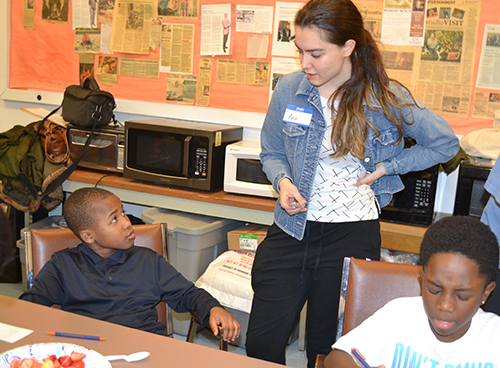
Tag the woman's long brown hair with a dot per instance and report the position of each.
(339, 21)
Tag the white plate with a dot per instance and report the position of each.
(43, 350)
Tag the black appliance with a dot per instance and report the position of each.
(181, 153)
(415, 203)
(471, 197)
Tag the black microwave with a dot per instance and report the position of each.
(415, 203)
(471, 197)
(180, 153)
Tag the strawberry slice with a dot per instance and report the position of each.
(16, 363)
(77, 356)
(78, 364)
(65, 361)
(28, 362)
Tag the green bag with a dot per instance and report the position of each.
(25, 173)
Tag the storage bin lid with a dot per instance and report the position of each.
(183, 222)
(51, 222)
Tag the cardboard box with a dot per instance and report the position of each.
(246, 238)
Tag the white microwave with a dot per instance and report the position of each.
(243, 171)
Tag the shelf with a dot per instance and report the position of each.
(220, 204)
(252, 209)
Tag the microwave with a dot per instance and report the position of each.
(415, 203)
(243, 170)
(471, 197)
(180, 153)
(106, 149)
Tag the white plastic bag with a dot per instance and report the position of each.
(228, 279)
(483, 143)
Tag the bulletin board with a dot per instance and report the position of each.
(53, 64)
(44, 58)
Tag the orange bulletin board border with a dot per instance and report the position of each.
(45, 59)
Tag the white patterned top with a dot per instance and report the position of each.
(335, 198)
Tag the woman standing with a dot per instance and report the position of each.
(333, 147)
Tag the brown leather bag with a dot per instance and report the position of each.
(54, 141)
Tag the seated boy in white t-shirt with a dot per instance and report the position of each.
(445, 327)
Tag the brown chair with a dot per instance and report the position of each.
(367, 286)
(41, 244)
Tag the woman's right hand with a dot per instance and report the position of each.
(290, 199)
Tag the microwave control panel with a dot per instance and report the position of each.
(423, 193)
(201, 162)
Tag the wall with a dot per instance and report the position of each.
(12, 99)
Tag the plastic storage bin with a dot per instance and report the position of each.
(46, 223)
(193, 242)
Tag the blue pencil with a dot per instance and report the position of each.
(360, 357)
(87, 337)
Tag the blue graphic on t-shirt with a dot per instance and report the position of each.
(404, 357)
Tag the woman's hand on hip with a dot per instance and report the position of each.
(371, 178)
(290, 199)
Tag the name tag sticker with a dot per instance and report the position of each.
(298, 115)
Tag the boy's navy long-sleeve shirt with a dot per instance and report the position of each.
(123, 288)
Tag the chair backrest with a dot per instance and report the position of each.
(42, 243)
(369, 285)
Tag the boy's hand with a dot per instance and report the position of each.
(230, 326)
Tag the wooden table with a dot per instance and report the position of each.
(165, 351)
(258, 210)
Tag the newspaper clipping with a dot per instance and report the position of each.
(107, 72)
(155, 39)
(55, 11)
(83, 13)
(140, 68)
(177, 48)
(257, 46)
(283, 44)
(216, 30)
(105, 38)
(88, 40)
(280, 68)
(447, 57)
(105, 12)
(403, 22)
(181, 88)
(489, 65)
(29, 14)
(178, 8)
(204, 82)
(401, 62)
(485, 105)
(131, 29)
(86, 67)
(242, 72)
(255, 19)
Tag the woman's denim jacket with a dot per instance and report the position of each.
(291, 151)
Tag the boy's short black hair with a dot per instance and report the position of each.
(78, 209)
(467, 236)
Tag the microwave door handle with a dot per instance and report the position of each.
(78, 140)
(185, 165)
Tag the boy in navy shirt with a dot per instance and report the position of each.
(108, 278)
